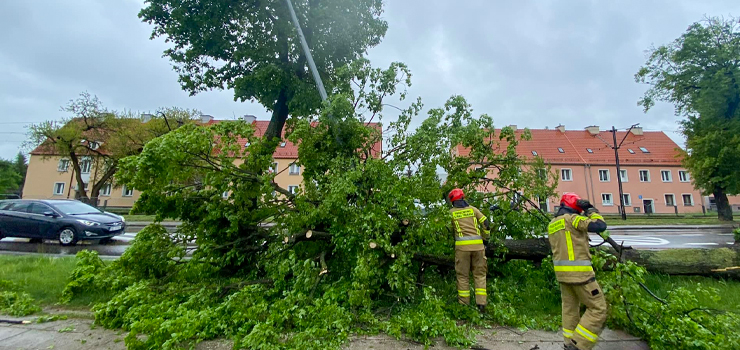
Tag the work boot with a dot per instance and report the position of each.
(570, 347)
(482, 309)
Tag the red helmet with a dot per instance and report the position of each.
(571, 199)
(456, 195)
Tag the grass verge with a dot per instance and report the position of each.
(43, 278)
(729, 290)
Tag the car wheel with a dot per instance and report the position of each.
(35, 240)
(68, 236)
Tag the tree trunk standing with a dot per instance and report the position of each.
(80, 193)
(279, 116)
(724, 210)
(95, 190)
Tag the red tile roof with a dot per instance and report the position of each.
(290, 151)
(575, 144)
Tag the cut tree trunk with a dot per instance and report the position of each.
(721, 262)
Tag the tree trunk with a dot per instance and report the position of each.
(721, 262)
(279, 116)
(80, 193)
(724, 210)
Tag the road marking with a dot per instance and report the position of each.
(726, 234)
(628, 240)
(701, 243)
(691, 234)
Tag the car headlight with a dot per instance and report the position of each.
(88, 223)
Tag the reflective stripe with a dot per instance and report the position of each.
(571, 255)
(577, 220)
(597, 216)
(573, 268)
(468, 238)
(480, 291)
(475, 241)
(567, 333)
(462, 214)
(482, 219)
(556, 226)
(586, 333)
(571, 262)
(459, 230)
(463, 293)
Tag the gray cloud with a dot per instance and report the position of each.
(530, 63)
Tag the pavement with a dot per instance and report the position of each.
(80, 334)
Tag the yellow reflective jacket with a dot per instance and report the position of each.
(467, 224)
(568, 235)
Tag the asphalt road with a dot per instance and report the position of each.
(695, 237)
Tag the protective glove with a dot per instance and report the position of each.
(584, 204)
(591, 210)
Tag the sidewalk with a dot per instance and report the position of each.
(79, 334)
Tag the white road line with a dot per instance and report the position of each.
(726, 234)
(701, 243)
(691, 234)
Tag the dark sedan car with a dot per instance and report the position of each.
(67, 221)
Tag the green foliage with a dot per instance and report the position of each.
(698, 73)
(271, 287)
(736, 234)
(10, 178)
(14, 302)
(679, 321)
(258, 46)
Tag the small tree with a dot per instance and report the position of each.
(98, 139)
(21, 167)
(9, 177)
(699, 73)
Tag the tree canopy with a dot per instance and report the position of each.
(698, 73)
(252, 47)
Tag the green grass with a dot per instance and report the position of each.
(43, 278)
(665, 219)
(141, 218)
(729, 290)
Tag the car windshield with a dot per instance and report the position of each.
(76, 208)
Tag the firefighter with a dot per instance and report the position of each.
(568, 235)
(471, 230)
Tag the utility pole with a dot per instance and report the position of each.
(307, 52)
(619, 169)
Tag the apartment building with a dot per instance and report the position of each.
(653, 178)
(51, 176)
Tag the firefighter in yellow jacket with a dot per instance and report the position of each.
(568, 234)
(471, 229)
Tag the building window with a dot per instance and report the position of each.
(606, 199)
(127, 192)
(273, 168)
(534, 153)
(282, 144)
(644, 175)
(63, 165)
(58, 188)
(105, 190)
(85, 165)
(688, 200)
(666, 176)
(295, 169)
(293, 189)
(93, 145)
(627, 199)
(225, 195)
(561, 150)
(542, 174)
(623, 175)
(684, 176)
(604, 175)
(589, 150)
(630, 151)
(644, 150)
(566, 175)
(670, 200)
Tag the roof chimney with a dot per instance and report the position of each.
(146, 117)
(205, 118)
(637, 131)
(560, 127)
(249, 118)
(513, 127)
(593, 129)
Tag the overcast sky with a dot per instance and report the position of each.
(529, 63)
